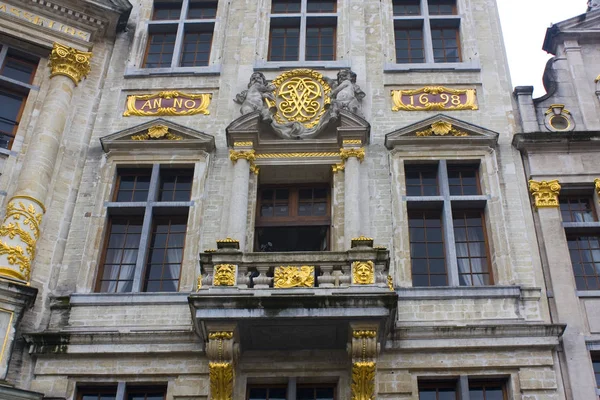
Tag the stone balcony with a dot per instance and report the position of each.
(294, 300)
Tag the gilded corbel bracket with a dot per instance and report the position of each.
(597, 184)
(220, 352)
(249, 155)
(545, 193)
(69, 62)
(364, 351)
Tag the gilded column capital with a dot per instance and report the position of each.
(249, 155)
(545, 193)
(359, 153)
(69, 62)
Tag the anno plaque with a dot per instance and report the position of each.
(167, 104)
(434, 98)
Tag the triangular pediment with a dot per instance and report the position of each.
(158, 134)
(584, 25)
(441, 130)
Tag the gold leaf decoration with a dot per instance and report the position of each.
(345, 154)
(290, 276)
(448, 99)
(363, 380)
(157, 132)
(545, 193)
(69, 62)
(442, 128)
(363, 272)
(221, 380)
(224, 275)
(178, 104)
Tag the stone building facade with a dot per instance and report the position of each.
(272, 199)
(558, 143)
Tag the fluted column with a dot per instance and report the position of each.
(21, 227)
(352, 157)
(243, 158)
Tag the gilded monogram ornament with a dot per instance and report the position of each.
(442, 128)
(224, 275)
(157, 132)
(167, 103)
(434, 98)
(289, 277)
(18, 236)
(545, 193)
(69, 62)
(363, 272)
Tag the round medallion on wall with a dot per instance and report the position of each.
(558, 119)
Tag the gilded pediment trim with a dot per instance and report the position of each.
(441, 130)
(158, 134)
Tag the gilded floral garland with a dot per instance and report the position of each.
(290, 276)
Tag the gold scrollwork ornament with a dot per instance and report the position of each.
(224, 275)
(221, 380)
(157, 132)
(545, 193)
(290, 276)
(156, 108)
(442, 128)
(363, 380)
(425, 105)
(69, 62)
(363, 272)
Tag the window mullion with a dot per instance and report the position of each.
(291, 389)
(146, 230)
(427, 40)
(3, 53)
(180, 32)
(449, 246)
(120, 391)
(302, 41)
(463, 387)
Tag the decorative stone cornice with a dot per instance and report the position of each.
(69, 62)
(345, 154)
(545, 193)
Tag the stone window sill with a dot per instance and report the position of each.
(467, 66)
(116, 299)
(172, 72)
(588, 293)
(446, 292)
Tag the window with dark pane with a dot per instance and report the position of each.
(444, 390)
(159, 53)
(165, 254)
(108, 393)
(442, 7)
(19, 67)
(267, 393)
(132, 185)
(315, 393)
(321, 6)
(577, 209)
(445, 44)
(596, 364)
(585, 259)
(202, 9)
(146, 393)
(285, 6)
(10, 114)
(409, 45)
(487, 390)
(120, 254)
(175, 185)
(421, 180)
(284, 43)
(320, 41)
(471, 248)
(196, 48)
(312, 202)
(407, 7)
(427, 252)
(168, 10)
(463, 180)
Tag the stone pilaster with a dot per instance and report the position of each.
(220, 351)
(243, 158)
(352, 157)
(21, 227)
(364, 350)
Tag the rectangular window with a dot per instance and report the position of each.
(426, 31)
(307, 35)
(443, 390)
(293, 218)
(302, 392)
(486, 390)
(267, 393)
(144, 244)
(130, 392)
(446, 210)
(146, 393)
(195, 19)
(17, 70)
(471, 389)
(596, 365)
(102, 393)
(585, 258)
(577, 209)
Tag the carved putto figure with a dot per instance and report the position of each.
(253, 98)
(346, 94)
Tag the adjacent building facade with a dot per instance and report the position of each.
(290, 199)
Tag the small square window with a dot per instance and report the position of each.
(464, 180)
(407, 7)
(421, 180)
(577, 209)
(438, 390)
(166, 10)
(442, 7)
(132, 185)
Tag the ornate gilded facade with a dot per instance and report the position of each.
(282, 200)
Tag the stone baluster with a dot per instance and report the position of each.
(243, 158)
(326, 279)
(262, 281)
(352, 156)
(24, 212)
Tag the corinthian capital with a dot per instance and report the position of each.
(69, 62)
(545, 193)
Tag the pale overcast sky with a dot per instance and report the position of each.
(524, 24)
